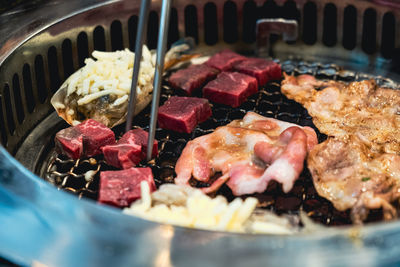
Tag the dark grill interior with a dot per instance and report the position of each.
(69, 175)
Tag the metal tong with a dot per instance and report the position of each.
(161, 47)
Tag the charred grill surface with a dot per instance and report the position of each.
(82, 177)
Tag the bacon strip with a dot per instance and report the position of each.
(249, 153)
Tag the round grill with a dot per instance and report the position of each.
(41, 46)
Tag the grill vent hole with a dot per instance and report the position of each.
(40, 79)
(369, 31)
(290, 11)
(191, 24)
(83, 48)
(152, 30)
(132, 31)
(173, 31)
(9, 114)
(249, 21)
(116, 35)
(27, 79)
(310, 23)
(388, 35)
(270, 10)
(18, 99)
(350, 27)
(2, 123)
(53, 69)
(68, 63)
(230, 22)
(99, 39)
(210, 24)
(329, 35)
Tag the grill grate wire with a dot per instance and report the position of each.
(69, 175)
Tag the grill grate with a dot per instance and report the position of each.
(269, 101)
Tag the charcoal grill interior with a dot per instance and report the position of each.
(341, 40)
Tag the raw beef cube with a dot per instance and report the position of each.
(69, 142)
(123, 156)
(121, 188)
(192, 78)
(129, 150)
(94, 136)
(263, 70)
(230, 88)
(85, 139)
(182, 114)
(139, 137)
(224, 60)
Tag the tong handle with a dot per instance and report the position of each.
(161, 47)
(142, 27)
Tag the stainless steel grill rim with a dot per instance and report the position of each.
(40, 49)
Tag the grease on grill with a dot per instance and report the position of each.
(70, 175)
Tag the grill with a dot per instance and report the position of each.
(69, 175)
(358, 36)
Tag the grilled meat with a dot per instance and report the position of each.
(360, 108)
(248, 153)
(357, 167)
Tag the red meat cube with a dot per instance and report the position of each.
(69, 142)
(182, 114)
(225, 60)
(129, 150)
(85, 139)
(121, 188)
(123, 156)
(230, 88)
(139, 137)
(263, 70)
(192, 78)
(94, 136)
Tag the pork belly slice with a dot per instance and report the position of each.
(182, 114)
(263, 70)
(224, 60)
(248, 153)
(84, 140)
(192, 78)
(351, 176)
(129, 150)
(230, 88)
(358, 166)
(121, 188)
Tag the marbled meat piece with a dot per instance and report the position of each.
(192, 78)
(248, 153)
(139, 137)
(129, 150)
(69, 142)
(182, 114)
(122, 156)
(351, 176)
(121, 188)
(358, 166)
(95, 135)
(224, 60)
(84, 140)
(230, 88)
(262, 69)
